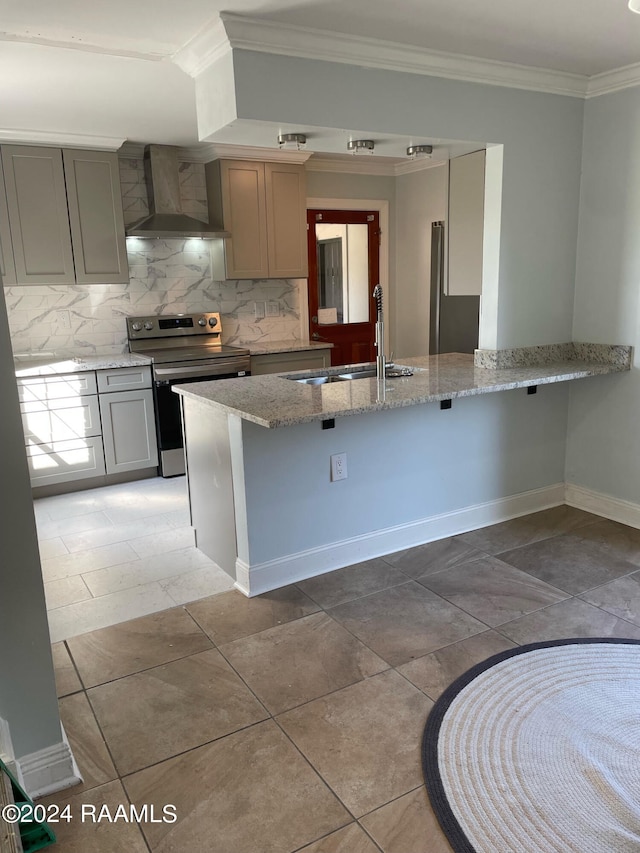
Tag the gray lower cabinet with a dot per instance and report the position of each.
(280, 362)
(86, 424)
(63, 222)
(128, 431)
(126, 412)
(61, 421)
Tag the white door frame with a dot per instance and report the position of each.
(382, 206)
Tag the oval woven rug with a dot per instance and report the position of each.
(537, 750)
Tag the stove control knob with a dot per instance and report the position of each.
(202, 321)
(148, 325)
(136, 327)
(213, 321)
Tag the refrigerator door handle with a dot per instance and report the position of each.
(437, 268)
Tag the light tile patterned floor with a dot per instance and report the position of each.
(119, 552)
(292, 721)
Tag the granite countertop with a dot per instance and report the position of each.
(52, 364)
(275, 401)
(268, 347)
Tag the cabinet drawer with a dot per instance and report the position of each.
(124, 379)
(283, 361)
(63, 461)
(55, 387)
(61, 419)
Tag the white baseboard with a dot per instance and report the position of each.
(598, 503)
(263, 577)
(49, 770)
(6, 752)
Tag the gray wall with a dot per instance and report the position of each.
(404, 465)
(27, 687)
(603, 449)
(421, 198)
(542, 135)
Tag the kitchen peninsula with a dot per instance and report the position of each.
(428, 456)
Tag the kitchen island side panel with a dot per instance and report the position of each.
(210, 483)
(404, 465)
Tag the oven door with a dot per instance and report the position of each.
(167, 406)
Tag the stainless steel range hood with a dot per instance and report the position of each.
(166, 219)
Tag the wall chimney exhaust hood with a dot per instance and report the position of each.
(166, 219)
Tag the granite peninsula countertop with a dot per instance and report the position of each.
(275, 401)
(52, 364)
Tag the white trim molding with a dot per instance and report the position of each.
(61, 140)
(231, 31)
(49, 770)
(364, 166)
(223, 151)
(6, 752)
(207, 46)
(290, 40)
(615, 509)
(255, 580)
(613, 81)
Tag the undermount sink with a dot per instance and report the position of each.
(318, 380)
(359, 374)
(369, 373)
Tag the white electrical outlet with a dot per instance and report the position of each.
(259, 309)
(63, 318)
(338, 467)
(273, 308)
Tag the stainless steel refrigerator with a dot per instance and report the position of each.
(454, 320)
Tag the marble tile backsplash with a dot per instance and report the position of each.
(166, 277)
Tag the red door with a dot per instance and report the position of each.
(344, 263)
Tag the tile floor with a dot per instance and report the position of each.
(119, 552)
(292, 721)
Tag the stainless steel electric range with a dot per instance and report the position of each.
(182, 348)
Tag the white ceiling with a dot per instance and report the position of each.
(103, 70)
(580, 36)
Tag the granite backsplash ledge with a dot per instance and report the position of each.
(616, 354)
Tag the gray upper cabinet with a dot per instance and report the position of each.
(38, 219)
(7, 267)
(65, 221)
(95, 215)
(263, 205)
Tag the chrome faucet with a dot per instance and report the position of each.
(381, 362)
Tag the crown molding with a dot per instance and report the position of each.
(61, 140)
(221, 151)
(231, 31)
(224, 151)
(417, 165)
(360, 166)
(289, 40)
(134, 150)
(613, 81)
(357, 165)
(162, 50)
(206, 47)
